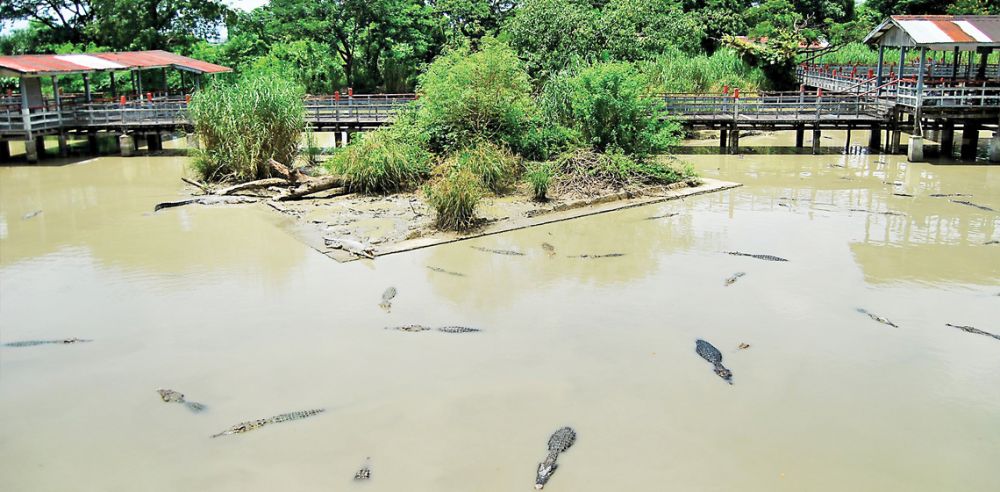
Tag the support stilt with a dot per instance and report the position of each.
(970, 140)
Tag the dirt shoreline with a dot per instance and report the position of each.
(403, 222)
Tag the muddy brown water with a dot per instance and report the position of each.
(224, 306)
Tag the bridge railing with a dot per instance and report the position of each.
(982, 96)
(778, 106)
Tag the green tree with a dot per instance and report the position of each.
(642, 29)
(155, 24)
(473, 19)
(551, 34)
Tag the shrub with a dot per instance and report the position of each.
(382, 161)
(467, 97)
(588, 172)
(495, 167)
(609, 105)
(539, 175)
(242, 125)
(454, 196)
(675, 71)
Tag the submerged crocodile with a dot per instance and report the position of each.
(365, 472)
(945, 195)
(171, 396)
(608, 255)
(708, 352)
(980, 207)
(877, 318)
(409, 328)
(458, 329)
(31, 215)
(977, 331)
(759, 257)
(732, 280)
(442, 270)
(903, 194)
(356, 248)
(549, 249)
(256, 424)
(205, 200)
(31, 343)
(507, 252)
(887, 212)
(987, 243)
(664, 216)
(387, 296)
(560, 441)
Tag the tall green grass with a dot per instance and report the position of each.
(244, 124)
(495, 166)
(454, 196)
(382, 161)
(675, 71)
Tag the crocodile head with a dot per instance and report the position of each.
(724, 374)
(545, 471)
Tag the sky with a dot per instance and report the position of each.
(6, 27)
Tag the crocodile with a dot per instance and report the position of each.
(387, 296)
(31, 343)
(365, 472)
(977, 331)
(903, 194)
(759, 257)
(980, 207)
(457, 329)
(887, 212)
(945, 195)
(708, 352)
(356, 248)
(664, 216)
(507, 252)
(732, 280)
(31, 215)
(877, 318)
(743, 346)
(172, 396)
(256, 424)
(442, 270)
(560, 441)
(987, 243)
(608, 255)
(549, 249)
(205, 200)
(409, 328)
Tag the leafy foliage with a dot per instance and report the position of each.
(382, 161)
(242, 125)
(539, 175)
(454, 194)
(678, 72)
(495, 166)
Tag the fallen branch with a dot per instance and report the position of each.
(203, 187)
(310, 186)
(252, 185)
(290, 174)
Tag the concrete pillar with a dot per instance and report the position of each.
(800, 137)
(947, 138)
(192, 140)
(127, 144)
(994, 155)
(970, 140)
(723, 138)
(4, 150)
(343, 139)
(817, 135)
(875, 138)
(31, 150)
(92, 145)
(915, 151)
(734, 141)
(894, 138)
(63, 146)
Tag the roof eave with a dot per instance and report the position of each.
(878, 31)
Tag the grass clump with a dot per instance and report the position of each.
(382, 161)
(244, 124)
(539, 175)
(454, 195)
(589, 173)
(496, 167)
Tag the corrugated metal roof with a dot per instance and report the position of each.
(44, 65)
(938, 31)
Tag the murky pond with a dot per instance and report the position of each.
(222, 305)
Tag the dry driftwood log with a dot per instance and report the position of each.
(291, 184)
(290, 174)
(310, 186)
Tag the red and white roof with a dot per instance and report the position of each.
(938, 31)
(46, 65)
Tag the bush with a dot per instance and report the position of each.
(609, 105)
(242, 125)
(382, 161)
(675, 71)
(467, 97)
(588, 172)
(495, 167)
(454, 196)
(539, 175)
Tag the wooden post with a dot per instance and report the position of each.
(947, 143)
(970, 140)
(817, 135)
(86, 87)
(878, 70)
(984, 54)
(4, 151)
(734, 140)
(920, 91)
(30, 151)
(875, 137)
(902, 62)
(800, 136)
(723, 138)
(954, 67)
(847, 144)
(114, 90)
